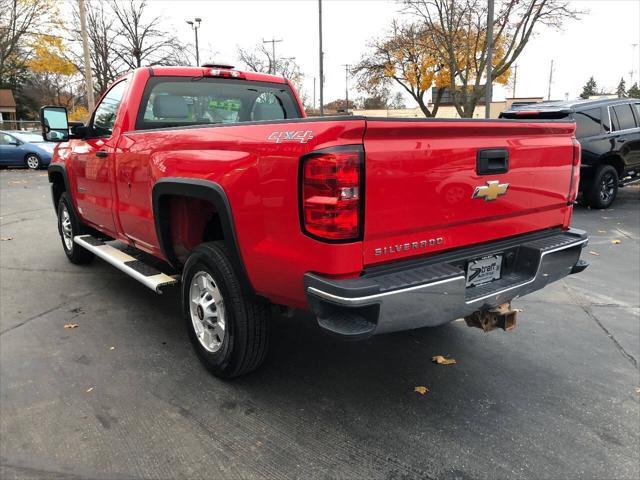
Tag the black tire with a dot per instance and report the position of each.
(245, 339)
(75, 253)
(33, 161)
(601, 190)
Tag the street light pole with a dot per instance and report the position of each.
(488, 85)
(321, 58)
(87, 59)
(273, 42)
(195, 25)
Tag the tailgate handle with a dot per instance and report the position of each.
(492, 160)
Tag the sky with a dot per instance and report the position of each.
(599, 44)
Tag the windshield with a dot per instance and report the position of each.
(182, 101)
(29, 137)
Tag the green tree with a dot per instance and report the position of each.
(621, 90)
(589, 89)
(634, 91)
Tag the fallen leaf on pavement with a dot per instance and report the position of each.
(71, 325)
(440, 360)
(88, 391)
(421, 390)
(112, 348)
(594, 253)
(6, 239)
(615, 242)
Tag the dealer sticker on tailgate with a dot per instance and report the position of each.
(483, 270)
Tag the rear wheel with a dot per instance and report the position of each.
(228, 329)
(69, 226)
(602, 189)
(33, 161)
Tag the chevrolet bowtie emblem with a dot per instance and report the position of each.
(492, 191)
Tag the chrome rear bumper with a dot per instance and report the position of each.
(433, 292)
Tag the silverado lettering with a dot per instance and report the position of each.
(255, 205)
(432, 242)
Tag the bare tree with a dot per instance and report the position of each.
(141, 41)
(259, 59)
(106, 66)
(457, 28)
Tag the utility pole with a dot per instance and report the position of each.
(550, 80)
(273, 42)
(633, 62)
(515, 80)
(195, 25)
(346, 84)
(489, 85)
(321, 58)
(87, 59)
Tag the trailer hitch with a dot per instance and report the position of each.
(502, 316)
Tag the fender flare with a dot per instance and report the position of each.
(206, 190)
(56, 168)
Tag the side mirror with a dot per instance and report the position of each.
(55, 125)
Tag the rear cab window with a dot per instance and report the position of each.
(186, 101)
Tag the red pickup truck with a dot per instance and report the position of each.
(214, 178)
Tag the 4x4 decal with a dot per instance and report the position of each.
(300, 136)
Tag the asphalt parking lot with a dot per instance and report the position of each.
(123, 395)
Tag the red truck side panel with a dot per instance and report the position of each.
(260, 178)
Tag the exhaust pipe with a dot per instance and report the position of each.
(502, 316)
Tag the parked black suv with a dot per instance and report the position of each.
(609, 133)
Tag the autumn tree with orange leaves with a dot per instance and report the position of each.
(457, 30)
(407, 58)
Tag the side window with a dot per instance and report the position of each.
(636, 107)
(105, 115)
(588, 123)
(6, 139)
(624, 116)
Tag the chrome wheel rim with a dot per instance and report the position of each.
(65, 227)
(207, 311)
(32, 162)
(607, 187)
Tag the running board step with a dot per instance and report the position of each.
(137, 269)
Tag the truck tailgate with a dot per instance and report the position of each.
(422, 177)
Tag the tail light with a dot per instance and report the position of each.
(331, 193)
(575, 172)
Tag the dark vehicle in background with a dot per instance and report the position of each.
(18, 149)
(608, 131)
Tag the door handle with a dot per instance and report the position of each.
(491, 161)
(101, 153)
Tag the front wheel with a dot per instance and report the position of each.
(228, 329)
(601, 190)
(70, 226)
(33, 161)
